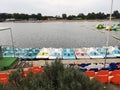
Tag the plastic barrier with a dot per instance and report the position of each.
(36, 69)
(103, 72)
(102, 78)
(3, 77)
(90, 73)
(115, 79)
(115, 72)
(3, 80)
(25, 72)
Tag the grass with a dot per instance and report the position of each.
(7, 62)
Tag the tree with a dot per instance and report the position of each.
(3, 16)
(39, 16)
(34, 16)
(69, 78)
(58, 17)
(71, 17)
(91, 15)
(64, 16)
(16, 16)
(100, 15)
(116, 14)
(81, 15)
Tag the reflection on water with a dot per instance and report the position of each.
(56, 34)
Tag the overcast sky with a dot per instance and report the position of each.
(57, 7)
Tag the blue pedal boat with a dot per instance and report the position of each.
(116, 27)
(105, 54)
(116, 52)
(30, 53)
(68, 54)
(93, 53)
(8, 54)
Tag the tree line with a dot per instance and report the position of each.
(39, 16)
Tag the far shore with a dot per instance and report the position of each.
(42, 21)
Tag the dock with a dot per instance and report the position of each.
(42, 62)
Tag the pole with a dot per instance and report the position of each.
(111, 9)
(12, 42)
(107, 42)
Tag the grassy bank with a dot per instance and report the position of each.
(6, 63)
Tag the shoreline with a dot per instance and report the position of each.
(45, 21)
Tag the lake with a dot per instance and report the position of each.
(57, 34)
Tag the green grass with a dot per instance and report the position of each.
(7, 62)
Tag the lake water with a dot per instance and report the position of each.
(57, 34)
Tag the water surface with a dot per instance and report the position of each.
(57, 34)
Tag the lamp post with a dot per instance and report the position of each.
(5, 29)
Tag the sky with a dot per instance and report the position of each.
(57, 7)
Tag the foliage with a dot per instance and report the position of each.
(116, 14)
(91, 16)
(64, 16)
(81, 15)
(54, 77)
(101, 16)
(38, 16)
(71, 17)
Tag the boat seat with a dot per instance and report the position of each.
(95, 53)
(82, 54)
(43, 53)
(68, 54)
(64, 54)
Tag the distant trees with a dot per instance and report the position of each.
(101, 16)
(81, 16)
(64, 16)
(38, 16)
(4, 16)
(91, 16)
(71, 17)
(21, 16)
(116, 14)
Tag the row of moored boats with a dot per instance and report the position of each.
(62, 53)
